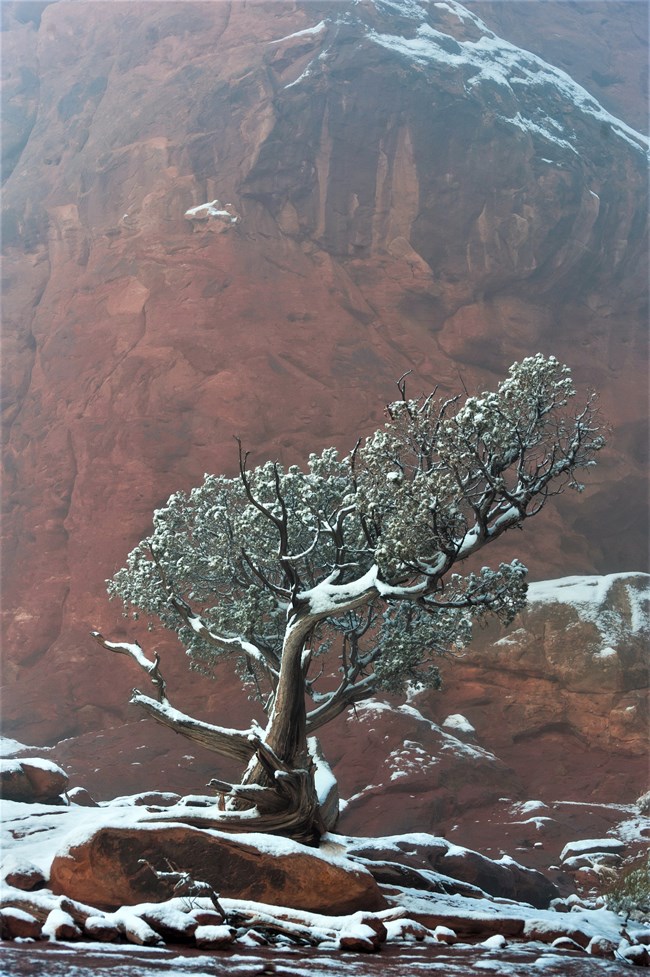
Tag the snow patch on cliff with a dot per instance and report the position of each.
(527, 78)
(211, 209)
(618, 603)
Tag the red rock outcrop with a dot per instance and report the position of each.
(106, 870)
(399, 205)
(562, 697)
(505, 878)
(400, 772)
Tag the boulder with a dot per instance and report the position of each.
(504, 878)
(32, 780)
(15, 924)
(26, 877)
(106, 870)
(81, 797)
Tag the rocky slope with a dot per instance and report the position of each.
(555, 708)
(394, 185)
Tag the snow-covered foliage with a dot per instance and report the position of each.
(364, 545)
(336, 580)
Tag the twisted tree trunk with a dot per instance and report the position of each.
(290, 775)
(277, 793)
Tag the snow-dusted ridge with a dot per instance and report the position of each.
(523, 78)
(589, 595)
(307, 32)
(493, 59)
(213, 208)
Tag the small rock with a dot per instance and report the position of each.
(637, 954)
(564, 943)
(26, 877)
(460, 727)
(207, 917)
(214, 937)
(443, 934)
(496, 942)
(542, 932)
(81, 797)
(16, 924)
(157, 798)
(173, 925)
(101, 929)
(407, 930)
(559, 906)
(359, 940)
(60, 927)
(139, 932)
(373, 923)
(600, 946)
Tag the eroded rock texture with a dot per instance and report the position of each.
(393, 187)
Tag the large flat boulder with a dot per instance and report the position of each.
(106, 869)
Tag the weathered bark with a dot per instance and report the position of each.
(277, 793)
(284, 766)
(235, 744)
(286, 732)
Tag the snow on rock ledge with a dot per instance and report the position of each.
(574, 663)
(618, 603)
(213, 208)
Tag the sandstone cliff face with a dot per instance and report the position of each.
(398, 188)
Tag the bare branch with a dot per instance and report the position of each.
(233, 743)
(135, 652)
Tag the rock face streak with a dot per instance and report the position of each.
(391, 185)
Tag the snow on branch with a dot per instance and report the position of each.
(134, 651)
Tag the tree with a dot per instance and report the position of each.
(353, 562)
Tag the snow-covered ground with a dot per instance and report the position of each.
(485, 932)
(403, 961)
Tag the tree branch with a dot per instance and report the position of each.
(232, 743)
(194, 621)
(135, 652)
